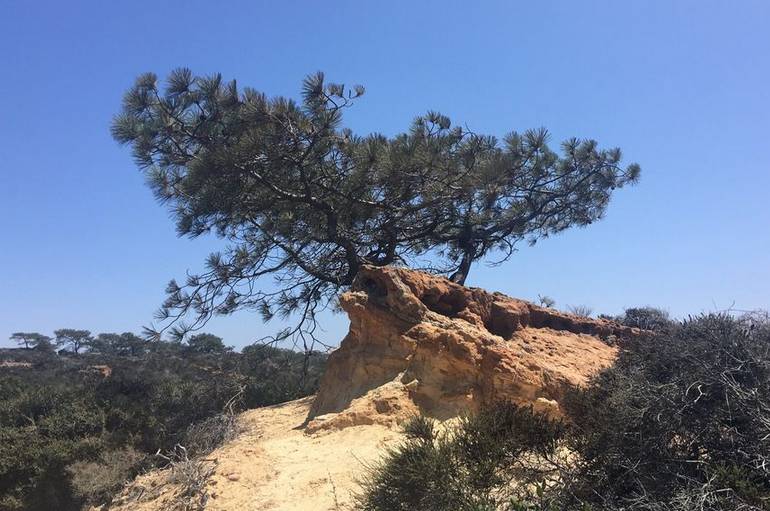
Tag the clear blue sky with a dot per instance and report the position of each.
(682, 87)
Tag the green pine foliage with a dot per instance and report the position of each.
(305, 201)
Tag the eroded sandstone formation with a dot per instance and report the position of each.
(419, 342)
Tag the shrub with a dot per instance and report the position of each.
(97, 481)
(646, 318)
(67, 433)
(682, 415)
(191, 474)
(546, 301)
(205, 436)
(681, 422)
(580, 310)
(469, 467)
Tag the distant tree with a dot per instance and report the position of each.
(306, 201)
(101, 344)
(127, 344)
(45, 345)
(30, 340)
(646, 318)
(131, 344)
(73, 339)
(206, 343)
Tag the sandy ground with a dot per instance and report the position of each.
(271, 465)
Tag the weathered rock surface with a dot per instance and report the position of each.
(419, 342)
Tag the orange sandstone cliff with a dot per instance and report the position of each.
(419, 342)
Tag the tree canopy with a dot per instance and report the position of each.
(306, 201)
(206, 343)
(30, 340)
(126, 343)
(73, 339)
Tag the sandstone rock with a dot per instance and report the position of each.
(421, 343)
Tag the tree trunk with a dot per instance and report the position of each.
(461, 274)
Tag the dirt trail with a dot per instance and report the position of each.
(271, 465)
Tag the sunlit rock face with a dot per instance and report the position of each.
(421, 343)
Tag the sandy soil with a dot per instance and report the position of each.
(272, 465)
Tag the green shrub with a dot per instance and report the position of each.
(467, 468)
(61, 422)
(646, 318)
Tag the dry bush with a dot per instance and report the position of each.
(680, 423)
(191, 475)
(205, 436)
(580, 310)
(97, 481)
(188, 469)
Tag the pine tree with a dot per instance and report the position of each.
(304, 200)
(73, 339)
(30, 340)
